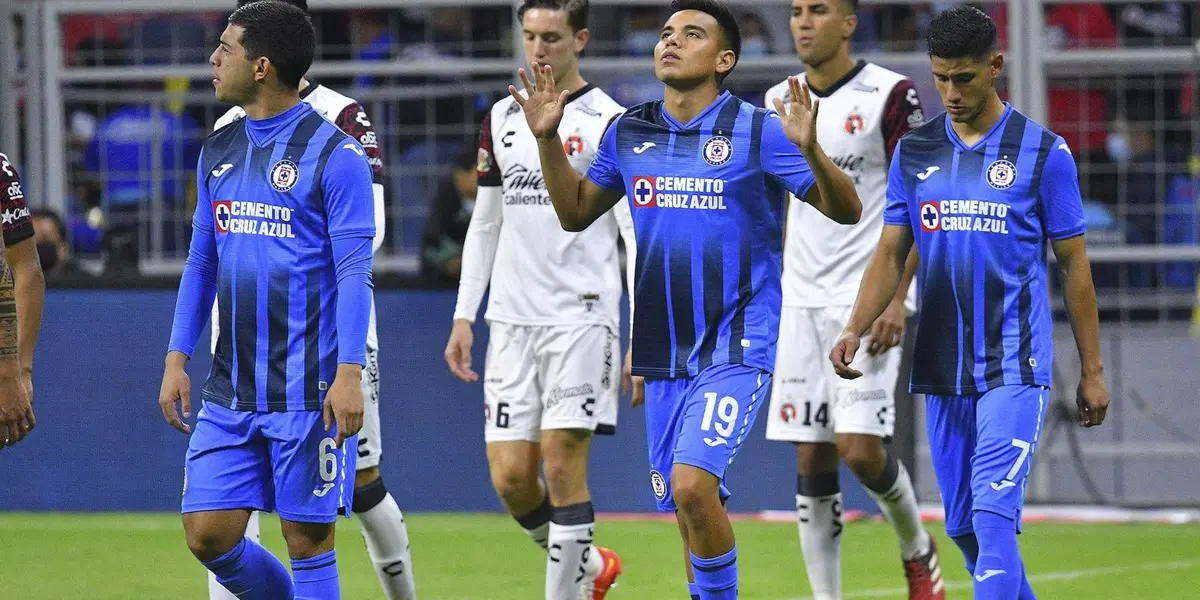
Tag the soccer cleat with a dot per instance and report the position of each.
(924, 574)
(597, 589)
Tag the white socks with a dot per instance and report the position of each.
(894, 493)
(819, 516)
(386, 535)
(570, 550)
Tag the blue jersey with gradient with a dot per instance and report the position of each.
(981, 216)
(707, 199)
(276, 204)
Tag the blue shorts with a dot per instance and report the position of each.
(700, 421)
(983, 449)
(283, 462)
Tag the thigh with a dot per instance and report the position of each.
(578, 385)
(370, 445)
(799, 407)
(314, 479)
(718, 412)
(664, 409)
(512, 406)
(951, 430)
(1008, 423)
(227, 465)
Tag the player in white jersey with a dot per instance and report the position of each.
(380, 518)
(552, 375)
(865, 110)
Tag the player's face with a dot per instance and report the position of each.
(549, 40)
(690, 49)
(233, 71)
(966, 84)
(820, 28)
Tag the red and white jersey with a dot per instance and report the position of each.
(17, 226)
(861, 119)
(540, 274)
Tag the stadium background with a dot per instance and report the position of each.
(104, 104)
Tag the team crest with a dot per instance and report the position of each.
(717, 150)
(483, 160)
(787, 412)
(573, 146)
(658, 484)
(284, 175)
(854, 123)
(1002, 174)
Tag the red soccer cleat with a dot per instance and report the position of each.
(924, 574)
(597, 588)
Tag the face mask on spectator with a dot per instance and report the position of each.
(641, 43)
(1117, 146)
(47, 255)
(755, 47)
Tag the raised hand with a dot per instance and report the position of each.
(543, 104)
(799, 116)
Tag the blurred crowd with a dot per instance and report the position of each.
(132, 161)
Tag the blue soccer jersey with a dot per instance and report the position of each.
(284, 209)
(707, 199)
(981, 215)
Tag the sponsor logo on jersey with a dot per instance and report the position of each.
(524, 187)
(573, 146)
(718, 150)
(483, 160)
(854, 123)
(253, 218)
(369, 140)
(11, 215)
(284, 175)
(851, 164)
(15, 192)
(559, 394)
(1001, 174)
(964, 215)
(698, 193)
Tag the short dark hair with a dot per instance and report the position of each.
(282, 33)
(300, 4)
(716, 9)
(962, 32)
(45, 213)
(577, 11)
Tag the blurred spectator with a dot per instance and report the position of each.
(441, 256)
(1153, 23)
(373, 39)
(644, 28)
(898, 30)
(50, 235)
(756, 40)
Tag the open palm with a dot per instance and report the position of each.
(799, 115)
(542, 103)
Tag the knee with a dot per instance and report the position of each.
(816, 458)
(513, 483)
(306, 540)
(209, 543)
(695, 490)
(365, 477)
(866, 459)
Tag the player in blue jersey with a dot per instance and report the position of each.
(705, 174)
(282, 238)
(981, 188)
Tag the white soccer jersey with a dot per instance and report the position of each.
(861, 119)
(540, 274)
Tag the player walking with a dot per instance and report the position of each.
(380, 519)
(282, 238)
(981, 188)
(706, 175)
(553, 360)
(22, 295)
(867, 110)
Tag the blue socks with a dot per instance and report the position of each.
(317, 577)
(716, 578)
(250, 572)
(969, 545)
(999, 572)
(694, 591)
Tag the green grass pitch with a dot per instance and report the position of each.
(478, 556)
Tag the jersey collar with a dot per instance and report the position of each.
(308, 89)
(695, 122)
(837, 85)
(577, 94)
(957, 141)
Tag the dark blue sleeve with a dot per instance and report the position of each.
(198, 286)
(1058, 195)
(352, 263)
(349, 199)
(895, 211)
(782, 159)
(605, 170)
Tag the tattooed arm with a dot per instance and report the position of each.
(16, 413)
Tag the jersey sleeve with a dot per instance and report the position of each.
(782, 159)
(901, 114)
(354, 122)
(895, 212)
(486, 169)
(1059, 199)
(605, 170)
(349, 199)
(198, 285)
(18, 227)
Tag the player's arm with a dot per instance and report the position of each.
(354, 121)
(1061, 208)
(807, 174)
(29, 283)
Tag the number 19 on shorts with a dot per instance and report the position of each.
(720, 417)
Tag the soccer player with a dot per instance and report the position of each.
(553, 361)
(22, 294)
(981, 188)
(705, 174)
(380, 519)
(867, 110)
(282, 237)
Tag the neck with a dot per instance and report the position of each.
(270, 104)
(572, 82)
(987, 118)
(684, 103)
(826, 74)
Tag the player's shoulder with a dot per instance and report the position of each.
(230, 117)
(504, 108)
(883, 78)
(327, 101)
(596, 102)
(780, 90)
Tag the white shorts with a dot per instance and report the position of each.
(809, 402)
(550, 377)
(370, 448)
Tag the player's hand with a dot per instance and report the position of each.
(888, 330)
(1092, 399)
(176, 386)
(458, 351)
(16, 412)
(344, 403)
(799, 116)
(633, 385)
(543, 103)
(843, 353)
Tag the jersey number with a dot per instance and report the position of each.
(821, 416)
(726, 410)
(328, 460)
(501, 415)
(1008, 479)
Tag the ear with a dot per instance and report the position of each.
(262, 66)
(581, 39)
(849, 26)
(997, 64)
(726, 60)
